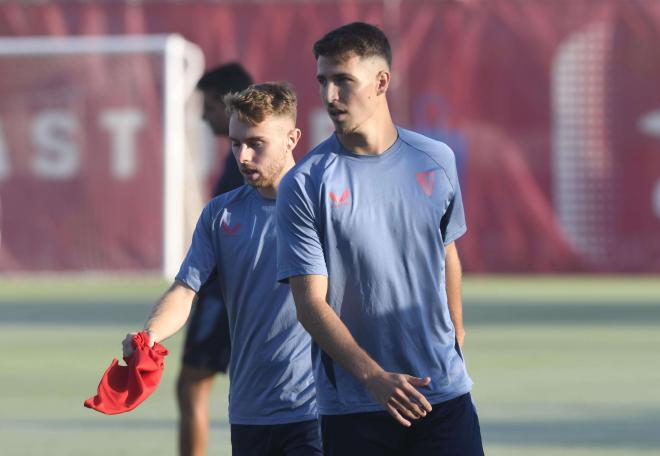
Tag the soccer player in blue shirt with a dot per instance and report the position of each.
(207, 346)
(366, 229)
(272, 407)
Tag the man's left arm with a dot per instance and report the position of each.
(453, 278)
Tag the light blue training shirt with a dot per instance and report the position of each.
(377, 227)
(270, 371)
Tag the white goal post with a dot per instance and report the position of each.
(182, 64)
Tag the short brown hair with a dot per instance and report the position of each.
(258, 101)
(359, 38)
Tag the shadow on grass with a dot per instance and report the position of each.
(477, 313)
(95, 312)
(498, 313)
(639, 432)
(97, 423)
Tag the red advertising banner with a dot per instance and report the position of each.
(552, 109)
(81, 162)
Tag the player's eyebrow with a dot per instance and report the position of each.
(249, 138)
(333, 75)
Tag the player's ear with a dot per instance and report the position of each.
(293, 138)
(383, 81)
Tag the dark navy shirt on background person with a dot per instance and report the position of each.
(231, 177)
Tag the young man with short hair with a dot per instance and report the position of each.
(207, 347)
(366, 229)
(272, 407)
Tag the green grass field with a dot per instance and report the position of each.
(562, 366)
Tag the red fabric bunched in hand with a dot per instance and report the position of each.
(123, 388)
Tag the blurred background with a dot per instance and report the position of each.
(552, 109)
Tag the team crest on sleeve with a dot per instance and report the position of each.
(340, 200)
(426, 180)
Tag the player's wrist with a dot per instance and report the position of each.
(369, 375)
(460, 337)
(153, 336)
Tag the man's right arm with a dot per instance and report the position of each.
(396, 392)
(171, 311)
(167, 316)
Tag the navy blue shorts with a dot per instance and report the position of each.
(207, 340)
(451, 429)
(290, 439)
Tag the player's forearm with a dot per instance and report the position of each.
(330, 333)
(327, 329)
(453, 279)
(170, 313)
(396, 392)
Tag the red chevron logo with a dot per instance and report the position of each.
(229, 230)
(426, 180)
(339, 199)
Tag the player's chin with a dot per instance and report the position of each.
(343, 128)
(259, 183)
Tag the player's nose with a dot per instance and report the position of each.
(243, 154)
(331, 93)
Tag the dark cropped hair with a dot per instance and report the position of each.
(223, 79)
(364, 40)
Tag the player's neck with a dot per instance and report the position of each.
(270, 192)
(374, 137)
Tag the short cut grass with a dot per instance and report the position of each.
(359, 38)
(259, 101)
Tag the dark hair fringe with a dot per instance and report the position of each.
(365, 40)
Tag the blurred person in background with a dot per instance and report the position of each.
(366, 229)
(207, 346)
(272, 397)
